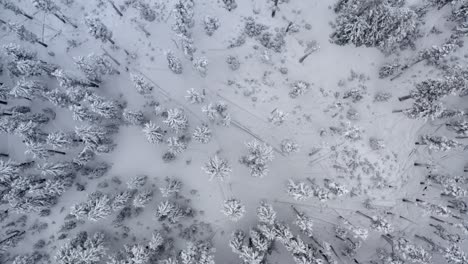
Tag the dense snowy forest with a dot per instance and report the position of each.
(233, 131)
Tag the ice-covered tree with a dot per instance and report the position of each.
(289, 146)
(439, 143)
(383, 24)
(171, 212)
(142, 198)
(174, 63)
(176, 120)
(202, 134)
(266, 213)
(233, 209)
(83, 249)
(67, 80)
(95, 66)
(217, 112)
(194, 97)
(424, 110)
(146, 12)
(199, 252)
(121, 200)
(154, 134)
(39, 150)
(82, 113)
(98, 30)
(58, 98)
(7, 4)
(188, 46)
(134, 117)
(230, 4)
(183, 14)
(28, 89)
(137, 182)
(411, 252)
(299, 88)
(23, 33)
(458, 126)
(277, 117)
(217, 167)
(19, 53)
(259, 155)
(141, 84)
(105, 108)
(210, 24)
(300, 191)
(454, 255)
(173, 186)
(48, 6)
(176, 145)
(92, 135)
(97, 206)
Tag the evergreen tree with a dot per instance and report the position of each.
(83, 249)
(54, 169)
(28, 89)
(98, 30)
(439, 143)
(66, 80)
(142, 198)
(172, 186)
(211, 24)
(299, 88)
(146, 12)
(48, 6)
(258, 157)
(187, 46)
(153, 133)
(300, 191)
(97, 206)
(141, 84)
(95, 66)
(217, 168)
(383, 24)
(19, 53)
(459, 126)
(289, 146)
(134, 117)
(201, 252)
(121, 200)
(202, 134)
(92, 135)
(82, 113)
(104, 108)
(176, 120)
(233, 62)
(176, 145)
(61, 140)
(230, 4)
(201, 66)
(137, 182)
(23, 33)
(183, 14)
(170, 212)
(233, 209)
(14, 8)
(195, 97)
(174, 63)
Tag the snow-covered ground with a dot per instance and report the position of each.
(336, 130)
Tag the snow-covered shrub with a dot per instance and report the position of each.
(300, 191)
(98, 30)
(210, 24)
(201, 65)
(194, 97)
(299, 88)
(141, 84)
(233, 62)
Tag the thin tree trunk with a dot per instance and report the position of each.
(115, 8)
(417, 164)
(273, 12)
(60, 18)
(403, 98)
(42, 43)
(398, 111)
(111, 41)
(4, 155)
(57, 152)
(27, 16)
(6, 114)
(3, 102)
(363, 214)
(406, 200)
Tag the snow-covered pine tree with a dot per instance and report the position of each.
(202, 134)
(7, 4)
(154, 134)
(233, 209)
(383, 24)
(176, 145)
(230, 4)
(58, 98)
(28, 89)
(92, 135)
(136, 182)
(142, 198)
(171, 212)
(299, 88)
(458, 126)
(439, 143)
(19, 53)
(61, 140)
(54, 169)
(48, 6)
(199, 252)
(173, 186)
(289, 146)
(82, 113)
(176, 120)
(98, 30)
(146, 12)
(174, 63)
(23, 33)
(105, 108)
(210, 24)
(134, 117)
(39, 150)
(67, 80)
(97, 206)
(188, 46)
(258, 157)
(141, 84)
(183, 14)
(95, 66)
(300, 191)
(218, 168)
(277, 117)
(201, 66)
(83, 249)
(194, 97)
(121, 200)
